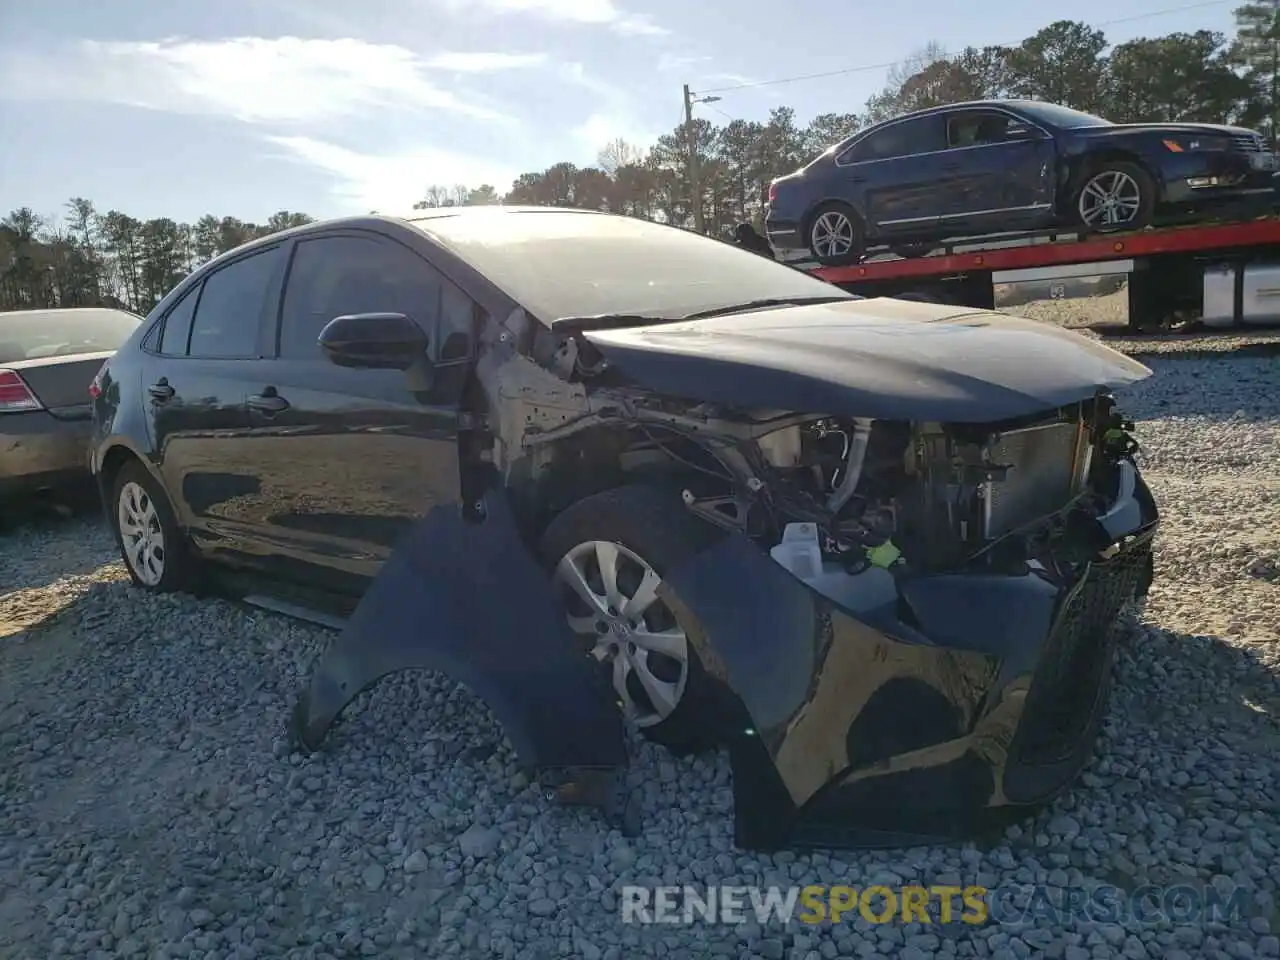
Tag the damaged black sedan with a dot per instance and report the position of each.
(605, 470)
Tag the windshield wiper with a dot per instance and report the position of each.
(606, 321)
(764, 304)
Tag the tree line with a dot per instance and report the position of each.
(85, 257)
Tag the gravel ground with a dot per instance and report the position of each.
(149, 806)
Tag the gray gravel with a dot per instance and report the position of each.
(150, 808)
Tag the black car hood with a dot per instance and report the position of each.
(889, 359)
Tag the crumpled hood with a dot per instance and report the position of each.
(882, 358)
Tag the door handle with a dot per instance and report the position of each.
(160, 390)
(268, 401)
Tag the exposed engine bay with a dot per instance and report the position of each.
(838, 501)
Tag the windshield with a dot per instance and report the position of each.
(562, 264)
(36, 334)
(1058, 116)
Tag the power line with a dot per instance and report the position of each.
(716, 109)
(893, 63)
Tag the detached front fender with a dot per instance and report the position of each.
(465, 598)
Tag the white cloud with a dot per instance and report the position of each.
(599, 130)
(391, 183)
(596, 13)
(669, 63)
(481, 62)
(253, 79)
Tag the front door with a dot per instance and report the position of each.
(350, 459)
(1000, 173)
(195, 391)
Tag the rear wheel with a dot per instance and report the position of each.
(608, 554)
(836, 236)
(152, 544)
(1115, 195)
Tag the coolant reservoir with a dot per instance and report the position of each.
(801, 554)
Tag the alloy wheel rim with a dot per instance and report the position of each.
(1110, 199)
(610, 595)
(832, 234)
(141, 533)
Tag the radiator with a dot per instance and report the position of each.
(1047, 467)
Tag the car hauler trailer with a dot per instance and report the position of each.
(1223, 274)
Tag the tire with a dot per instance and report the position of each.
(1127, 183)
(652, 526)
(138, 504)
(835, 219)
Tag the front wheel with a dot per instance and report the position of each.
(608, 554)
(1115, 196)
(836, 237)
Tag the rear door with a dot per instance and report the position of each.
(897, 171)
(194, 385)
(1001, 172)
(350, 459)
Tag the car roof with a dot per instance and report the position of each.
(374, 220)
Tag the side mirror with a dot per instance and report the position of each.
(374, 341)
(1023, 134)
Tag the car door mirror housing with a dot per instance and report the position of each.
(1017, 133)
(374, 341)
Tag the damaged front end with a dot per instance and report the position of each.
(908, 623)
(928, 648)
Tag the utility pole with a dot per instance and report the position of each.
(695, 171)
(695, 174)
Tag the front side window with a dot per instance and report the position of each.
(229, 313)
(983, 128)
(335, 276)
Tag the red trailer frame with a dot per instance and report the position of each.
(1165, 266)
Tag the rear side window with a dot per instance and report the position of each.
(177, 325)
(903, 139)
(334, 276)
(230, 309)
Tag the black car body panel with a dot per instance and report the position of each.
(421, 491)
(881, 358)
(929, 188)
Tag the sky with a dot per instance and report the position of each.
(330, 107)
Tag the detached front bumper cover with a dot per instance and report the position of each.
(978, 696)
